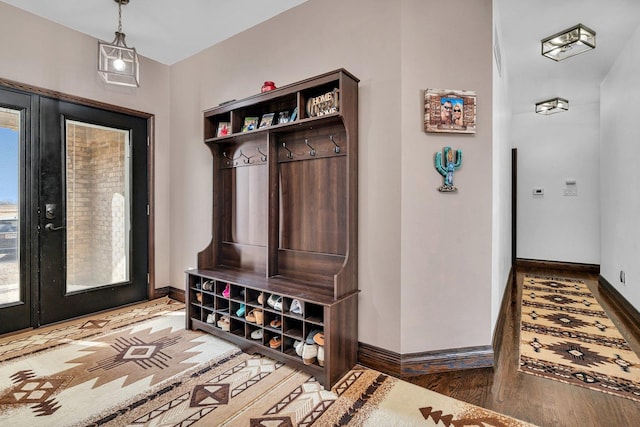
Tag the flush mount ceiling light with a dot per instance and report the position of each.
(569, 42)
(552, 106)
(117, 63)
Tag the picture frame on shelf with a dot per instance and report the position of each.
(224, 129)
(283, 117)
(250, 123)
(449, 111)
(266, 120)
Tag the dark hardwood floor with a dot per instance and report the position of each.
(540, 401)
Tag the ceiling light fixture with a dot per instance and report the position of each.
(552, 106)
(117, 63)
(568, 43)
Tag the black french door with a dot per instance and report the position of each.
(15, 216)
(73, 210)
(92, 210)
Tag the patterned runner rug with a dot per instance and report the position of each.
(139, 367)
(565, 335)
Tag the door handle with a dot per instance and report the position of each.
(51, 227)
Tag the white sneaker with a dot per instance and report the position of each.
(210, 318)
(257, 334)
(309, 353)
(296, 307)
(298, 346)
(320, 355)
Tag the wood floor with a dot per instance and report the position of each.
(536, 400)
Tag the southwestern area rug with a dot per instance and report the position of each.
(565, 335)
(138, 366)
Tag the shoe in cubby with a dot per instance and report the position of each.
(254, 297)
(224, 323)
(208, 285)
(275, 302)
(296, 307)
(275, 342)
(257, 334)
(255, 316)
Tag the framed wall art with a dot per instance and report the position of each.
(452, 111)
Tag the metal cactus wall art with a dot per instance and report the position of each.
(447, 168)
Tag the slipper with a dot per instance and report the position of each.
(311, 335)
(275, 342)
(207, 285)
(241, 311)
(226, 292)
(296, 307)
(255, 316)
(261, 298)
(224, 323)
(259, 316)
(298, 347)
(319, 338)
(199, 297)
(257, 334)
(210, 318)
(276, 323)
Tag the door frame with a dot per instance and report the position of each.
(19, 314)
(150, 118)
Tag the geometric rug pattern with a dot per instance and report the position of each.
(565, 335)
(138, 366)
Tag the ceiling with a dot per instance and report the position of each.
(164, 30)
(533, 78)
(169, 31)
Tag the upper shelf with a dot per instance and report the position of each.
(314, 100)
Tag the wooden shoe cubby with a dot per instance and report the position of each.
(284, 222)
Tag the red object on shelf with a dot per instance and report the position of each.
(267, 86)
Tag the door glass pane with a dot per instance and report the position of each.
(98, 205)
(9, 202)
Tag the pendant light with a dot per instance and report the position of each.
(117, 63)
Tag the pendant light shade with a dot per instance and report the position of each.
(117, 63)
(568, 43)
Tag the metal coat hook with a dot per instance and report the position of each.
(247, 160)
(312, 151)
(337, 148)
(289, 154)
(230, 160)
(263, 156)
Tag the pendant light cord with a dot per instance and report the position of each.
(119, 17)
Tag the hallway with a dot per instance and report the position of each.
(537, 400)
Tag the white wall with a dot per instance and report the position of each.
(552, 149)
(425, 263)
(446, 237)
(620, 175)
(42, 53)
(321, 35)
(501, 224)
